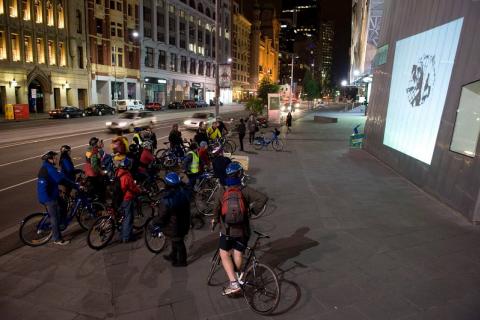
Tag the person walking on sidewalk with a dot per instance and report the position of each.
(242, 129)
(288, 122)
(252, 128)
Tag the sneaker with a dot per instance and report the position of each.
(232, 288)
(61, 242)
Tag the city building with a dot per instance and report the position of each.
(326, 43)
(422, 119)
(42, 54)
(178, 49)
(114, 50)
(241, 30)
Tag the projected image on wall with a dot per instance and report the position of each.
(421, 74)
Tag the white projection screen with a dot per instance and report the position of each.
(421, 74)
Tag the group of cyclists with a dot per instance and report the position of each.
(131, 163)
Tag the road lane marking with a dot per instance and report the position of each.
(35, 179)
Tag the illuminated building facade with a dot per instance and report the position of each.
(241, 28)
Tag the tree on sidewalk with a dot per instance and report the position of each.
(254, 105)
(311, 86)
(266, 86)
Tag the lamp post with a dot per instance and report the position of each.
(291, 80)
(217, 47)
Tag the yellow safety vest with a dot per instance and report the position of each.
(194, 166)
(136, 135)
(213, 134)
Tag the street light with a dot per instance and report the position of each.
(135, 34)
(229, 60)
(344, 83)
(291, 81)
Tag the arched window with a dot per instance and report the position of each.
(207, 12)
(79, 21)
(192, 4)
(50, 19)
(61, 16)
(200, 7)
(37, 11)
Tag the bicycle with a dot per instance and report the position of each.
(155, 239)
(258, 282)
(105, 226)
(36, 230)
(228, 146)
(262, 142)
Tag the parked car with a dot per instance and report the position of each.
(67, 112)
(175, 105)
(187, 104)
(99, 110)
(129, 104)
(130, 120)
(201, 104)
(212, 103)
(153, 106)
(194, 121)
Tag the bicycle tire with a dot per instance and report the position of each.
(155, 240)
(104, 227)
(213, 267)
(277, 145)
(258, 145)
(204, 207)
(261, 213)
(251, 288)
(234, 144)
(160, 153)
(143, 211)
(32, 222)
(86, 219)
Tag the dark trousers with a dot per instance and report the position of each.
(240, 138)
(251, 136)
(192, 179)
(179, 251)
(127, 209)
(53, 210)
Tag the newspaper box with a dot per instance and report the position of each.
(21, 111)
(9, 115)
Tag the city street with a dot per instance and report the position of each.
(22, 145)
(350, 240)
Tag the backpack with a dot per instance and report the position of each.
(117, 192)
(233, 206)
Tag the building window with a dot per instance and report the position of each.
(116, 4)
(191, 35)
(149, 57)
(80, 57)
(207, 13)
(162, 60)
(3, 47)
(207, 69)
(467, 124)
(25, 10)
(183, 64)
(78, 18)
(52, 57)
(37, 11)
(40, 51)
(28, 49)
(120, 57)
(200, 7)
(119, 30)
(99, 26)
(200, 67)
(100, 54)
(172, 27)
(13, 8)
(160, 22)
(61, 16)
(117, 56)
(193, 66)
(129, 10)
(147, 19)
(192, 4)
(1, 7)
(50, 17)
(62, 56)
(15, 47)
(183, 30)
(113, 28)
(173, 62)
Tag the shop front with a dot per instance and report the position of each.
(155, 90)
(196, 91)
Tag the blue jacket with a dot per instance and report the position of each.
(67, 168)
(48, 180)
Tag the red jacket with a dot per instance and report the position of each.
(145, 160)
(129, 188)
(204, 159)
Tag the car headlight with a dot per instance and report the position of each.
(122, 124)
(297, 105)
(186, 122)
(108, 123)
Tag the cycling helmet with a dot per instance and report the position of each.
(172, 179)
(93, 141)
(125, 164)
(65, 148)
(137, 129)
(217, 150)
(134, 148)
(203, 144)
(49, 155)
(147, 145)
(233, 168)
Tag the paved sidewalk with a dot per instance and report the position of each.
(350, 240)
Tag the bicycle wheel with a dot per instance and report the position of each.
(213, 267)
(277, 145)
(101, 232)
(203, 204)
(86, 215)
(260, 213)
(143, 211)
(258, 144)
(261, 289)
(154, 238)
(234, 145)
(35, 229)
(160, 153)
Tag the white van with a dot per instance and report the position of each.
(124, 105)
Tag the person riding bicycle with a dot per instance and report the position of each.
(174, 216)
(176, 141)
(220, 164)
(201, 134)
(213, 132)
(221, 126)
(192, 165)
(137, 138)
(204, 157)
(49, 178)
(146, 160)
(93, 167)
(149, 135)
(129, 191)
(134, 153)
(231, 210)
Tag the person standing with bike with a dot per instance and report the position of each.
(220, 164)
(192, 165)
(231, 210)
(252, 128)
(126, 195)
(176, 141)
(213, 132)
(48, 195)
(242, 129)
(174, 216)
(201, 134)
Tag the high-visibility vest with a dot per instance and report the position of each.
(136, 135)
(194, 166)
